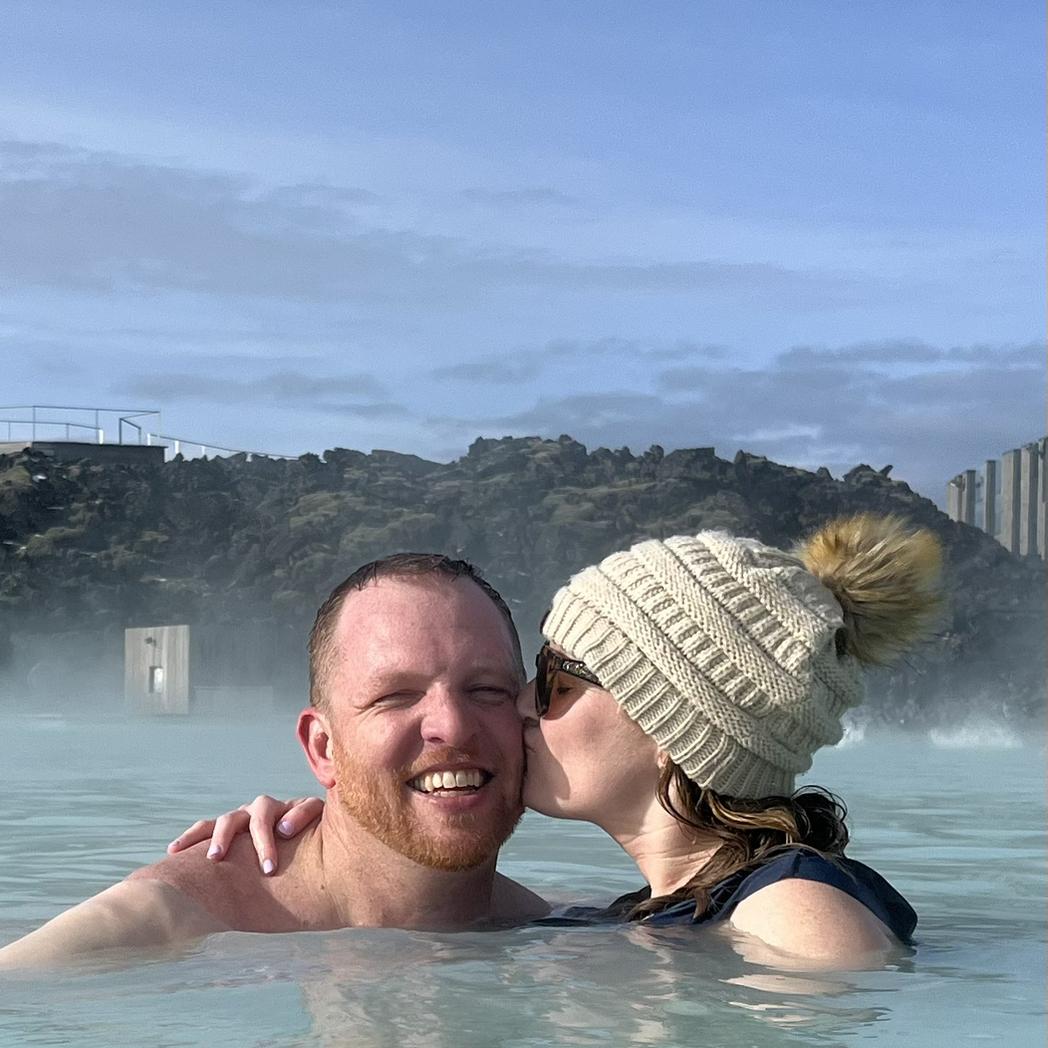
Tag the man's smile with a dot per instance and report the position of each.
(450, 780)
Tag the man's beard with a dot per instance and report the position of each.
(376, 803)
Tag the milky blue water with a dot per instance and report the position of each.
(957, 822)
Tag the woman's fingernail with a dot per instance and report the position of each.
(284, 828)
(214, 851)
(268, 866)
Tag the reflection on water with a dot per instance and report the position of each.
(537, 986)
(960, 831)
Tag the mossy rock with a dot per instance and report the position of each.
(48, 542)
(267, 540)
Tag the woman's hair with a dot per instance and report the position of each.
(749, 831)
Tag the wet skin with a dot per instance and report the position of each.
(425, 680)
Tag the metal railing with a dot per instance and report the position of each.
(36, 422)
(36, 418)
(177, 443)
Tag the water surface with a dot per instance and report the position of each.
(955, 821)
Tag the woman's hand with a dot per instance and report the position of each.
(259, 818)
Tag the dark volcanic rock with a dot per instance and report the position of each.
(244, 551)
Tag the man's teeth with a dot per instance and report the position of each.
(448, 780)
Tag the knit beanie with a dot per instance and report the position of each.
(740, 659)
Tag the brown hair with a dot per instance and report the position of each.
(749, 831)
(397, 566)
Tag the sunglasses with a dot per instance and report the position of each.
(547, 665)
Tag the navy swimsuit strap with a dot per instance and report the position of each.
(847, 875)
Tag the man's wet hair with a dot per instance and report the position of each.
(398, 566)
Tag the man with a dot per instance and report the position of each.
(413, 732)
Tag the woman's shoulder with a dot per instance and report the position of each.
(811, 880)
(793, 889)
(808, 881)
(815, 921)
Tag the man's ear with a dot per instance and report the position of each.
(314, 735)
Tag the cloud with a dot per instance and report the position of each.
(608, 419)
(384, 410)
(892, 351)
(515, 199)
(99, 223)
(494, 370)
(283, 386)
(524, 363)
(683, 350)
(569, 348)
(1005, 356)
(314, 195)
(929, 412)
(291, 403)
(521, 364)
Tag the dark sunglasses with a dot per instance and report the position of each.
(547, 665)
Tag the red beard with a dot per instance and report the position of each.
(457, 841)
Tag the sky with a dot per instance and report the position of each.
(809, 230)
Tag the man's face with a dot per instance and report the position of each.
(425, 732)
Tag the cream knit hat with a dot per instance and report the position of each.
(734, 656)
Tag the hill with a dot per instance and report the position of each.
(245, 551)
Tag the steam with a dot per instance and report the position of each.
(976, 734)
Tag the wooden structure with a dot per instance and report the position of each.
(156, 669)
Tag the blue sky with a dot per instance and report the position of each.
(810, 230)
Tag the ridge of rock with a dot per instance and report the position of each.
(245, 550)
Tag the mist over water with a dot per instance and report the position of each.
(979, 732)
(976, 735)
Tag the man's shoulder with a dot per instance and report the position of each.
(515, 903)
(191, 872)
(233, 891)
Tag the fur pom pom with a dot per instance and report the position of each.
(886, 578)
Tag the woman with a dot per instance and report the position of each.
(683, 686)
